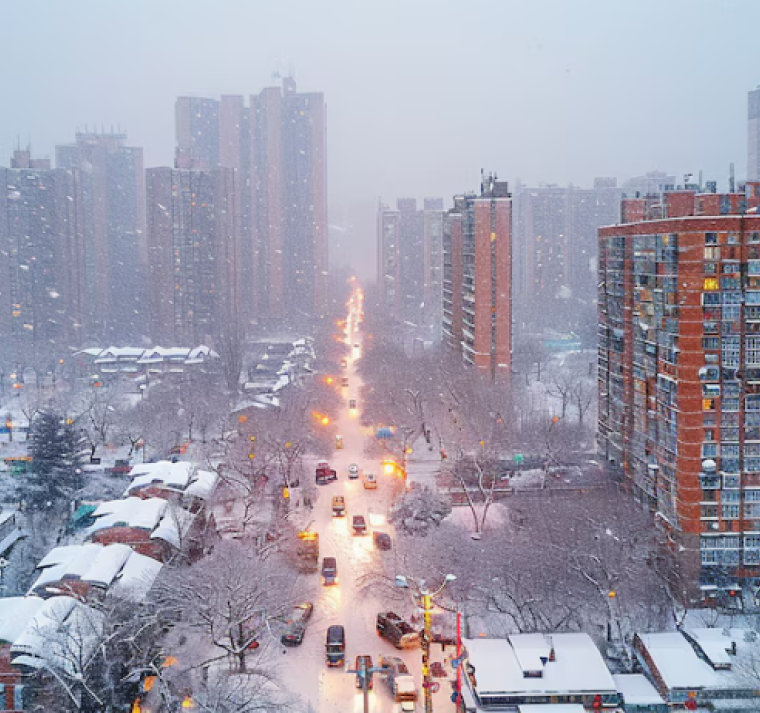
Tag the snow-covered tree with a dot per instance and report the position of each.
(55, 473)
(418, 510)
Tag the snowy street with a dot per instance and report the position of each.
(332, 689)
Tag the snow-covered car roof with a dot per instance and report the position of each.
(172, 475)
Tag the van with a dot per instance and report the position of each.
(338, 506)
(329, 571)
(335, 646)
(344, 381)
(359, 525)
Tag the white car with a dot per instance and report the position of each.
(353, 471)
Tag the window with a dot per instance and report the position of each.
(752, 350)
(709, 450)
(752, 402)
(711, 299)
(711, 343)
(711, 390)
(730, 351)
(711, 238)
(708, 404)
(711, 283)
(711, 268)
(731, 481)
(730, 405)
(712, 253)
(729, 512)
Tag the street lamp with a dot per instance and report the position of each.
(426, 601)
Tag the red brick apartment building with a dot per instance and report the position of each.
(679, 373)
(477, 278)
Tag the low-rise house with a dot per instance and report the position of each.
(718, 669)
(61, 636)
(88, 572)
(528, 670)
(160, 480)
(15, 615)
(638, 694)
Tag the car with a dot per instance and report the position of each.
(293, 634)
(356, 345)
(339, 441)
(352, 404)
(329, 571)
(335, 646)
(338, 506)
(370, 481)
(363, 663)
(353, 471)
(359, 525)
(381, 540)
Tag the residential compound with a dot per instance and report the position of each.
(679, 372)
(477, 278)
(410, 264)
(277, 147)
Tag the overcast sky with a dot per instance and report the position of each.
(420, 94)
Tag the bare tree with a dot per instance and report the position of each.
(419, 509)
(229, 598)
(477, 475)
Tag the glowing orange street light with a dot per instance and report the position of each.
(325, 420)
(329, 380)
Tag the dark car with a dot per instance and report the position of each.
(293, 634)
(335, 646)
(359, 524)
(363, 663)
(329, 571)
(381, 540)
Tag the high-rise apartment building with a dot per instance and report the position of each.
(194, 243)
(679, 372)
(477, 278)
(555, 251)
(409, 264)
(278, 147)
(111, 190)
(753, 136)
(41, 258)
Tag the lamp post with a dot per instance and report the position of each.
(426, 600)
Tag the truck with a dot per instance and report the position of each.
(308, 551)
(394, 629)
(400, 682)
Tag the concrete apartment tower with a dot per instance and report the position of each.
(679, 374)
(477, 278)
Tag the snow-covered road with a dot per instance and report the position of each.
(333, 690)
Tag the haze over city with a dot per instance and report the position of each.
(379, 356)
(420, 95)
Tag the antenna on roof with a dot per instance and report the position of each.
(731, 180)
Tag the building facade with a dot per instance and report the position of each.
(477, 278)
(277, 146)
(42, 298)
(410, 264)
(110, 187)
(753, 136)
(679, 373)
(555, 252)
(194, 243)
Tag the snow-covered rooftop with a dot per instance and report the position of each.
(70, 563)
(173, 526)
(203, 484)
(136, 577)
(174, 476)
(60, 624)
(500, 664)
(130, 512)
(15, 613)
(636, 689)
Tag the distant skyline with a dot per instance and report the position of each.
(420, 95)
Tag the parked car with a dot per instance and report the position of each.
(293, 634)
(363, 663)
(353, 471)
(359, 524)
(339, 441)
(352, 403)
(394, 629)
(381, 540)
(344, 381)
(329, 571)
(370, 481)
(338, 506)
(335, 646)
